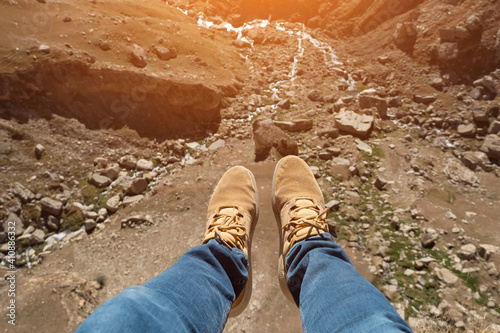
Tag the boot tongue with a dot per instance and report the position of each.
(305, 212)
(228, 237)
(228, 211)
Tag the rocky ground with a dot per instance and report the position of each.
(112, 145)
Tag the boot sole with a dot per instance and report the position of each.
(242, 301)
(281, 260)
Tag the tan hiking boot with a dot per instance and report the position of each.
(232, 216)
(299, 209)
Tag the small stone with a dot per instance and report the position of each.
(113, 204)
(90, 225)
(316, 171)
(424, 99)
(100, 161)
(53, 223)
(136, 220)
(428, 240)
(491, 146)
(128, 162)
(39, 149)
(144, 165)
(103, 213)
(99, 180)
(51, 206)
(37, 237)
(389, 290)
(437, 83)
(467, 252)
(447, 51)
(477, 93)
(192, 145)
(325, 155)
(333, 204)
(23, 193)
(111, 173)
(164, 53)
(13, 219)
(409, 272)
(44, 48)
(130, 201)
(297, 125)
(494, 127)
(467, 131)
(217, 144)
(138, 186)
(473, 159)
(138, 56)
(381, 183)
(315, 96)
(328, 133)
(284, 104)
(362, 146)
(446, 276)
(486, 250)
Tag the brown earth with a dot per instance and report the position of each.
(85, 99)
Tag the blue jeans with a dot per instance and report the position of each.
(197, 292)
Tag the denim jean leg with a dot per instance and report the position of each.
(194, 295)
(332, 295)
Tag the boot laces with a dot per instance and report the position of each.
(228, 225)
(306, 216)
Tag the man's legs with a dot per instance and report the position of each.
(314, 271)
(208, 283)
(194, 295)
(332, 295)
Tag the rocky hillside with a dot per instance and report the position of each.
(117, 119)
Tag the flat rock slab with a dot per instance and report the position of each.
(297, 125)
(350, 122)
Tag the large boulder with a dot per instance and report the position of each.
(350, 122)
(51, 206)
(473, 159)
(491, 146)
(368, 102)
(269, 138)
